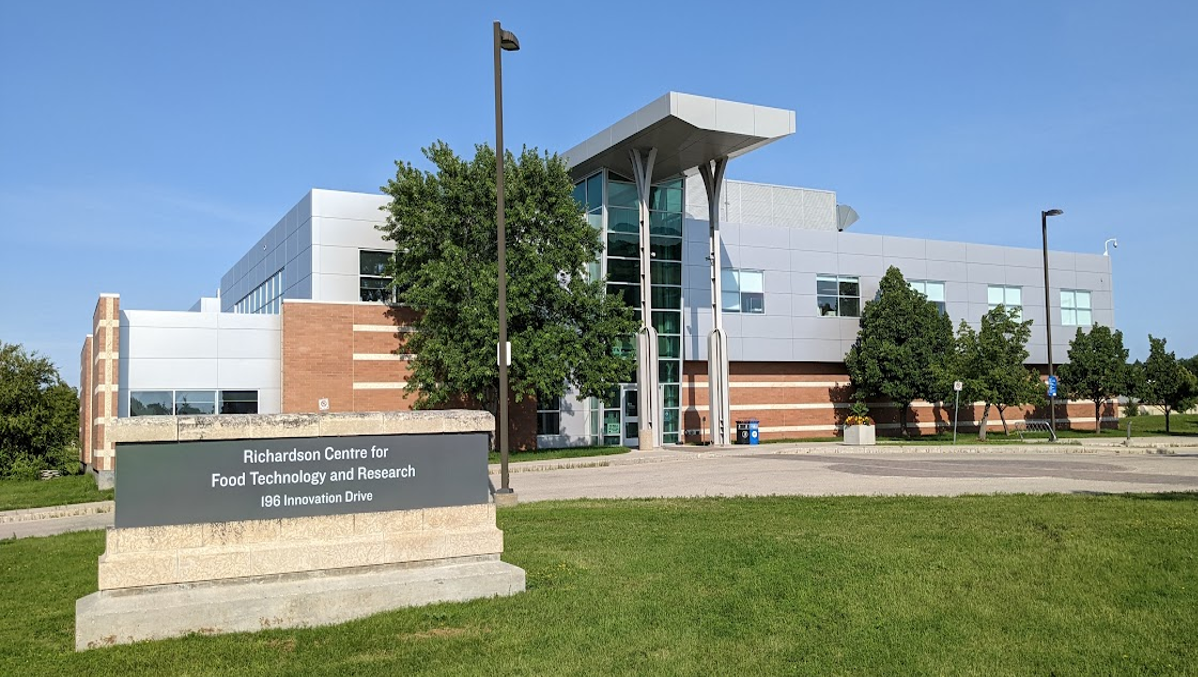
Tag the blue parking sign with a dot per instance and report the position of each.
(1052, 386)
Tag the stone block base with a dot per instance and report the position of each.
(294, 600)
(859, 435)
(105, 479)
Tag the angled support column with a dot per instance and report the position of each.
(717, 342)
(648, 398)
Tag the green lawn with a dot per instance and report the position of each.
(550, 454)
(15, 494)
(1000, 585)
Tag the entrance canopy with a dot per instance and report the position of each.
(686, 130)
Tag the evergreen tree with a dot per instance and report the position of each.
(902, 341)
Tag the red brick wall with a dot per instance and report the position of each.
(811, 399)
(85, 401)
(348, 352)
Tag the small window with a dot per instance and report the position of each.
(742, 291)
(1011, 297)
(239, 401)
(151, 403)
(932, 289)
(838, 295)
(195, 402)
(373, 282)
(549, 416)
(1075, 308)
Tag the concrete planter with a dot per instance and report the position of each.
(859, 435)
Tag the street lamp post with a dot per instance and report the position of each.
(504, 41)
(1052, 400)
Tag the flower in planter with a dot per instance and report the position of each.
(858, 415)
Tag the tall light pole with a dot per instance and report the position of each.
(504, 41)
(1052, 400)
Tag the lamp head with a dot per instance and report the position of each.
(508, 41)
(1053, 212)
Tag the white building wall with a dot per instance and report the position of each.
(205, 350)
(342, 225)
(288, 246)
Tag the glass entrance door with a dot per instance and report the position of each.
(628, 416)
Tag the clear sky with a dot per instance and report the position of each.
(144, 146)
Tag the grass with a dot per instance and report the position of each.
(16, 494)
(551, 454)
(1181, 426)
(997, 585)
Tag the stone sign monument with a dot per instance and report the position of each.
(238, 523)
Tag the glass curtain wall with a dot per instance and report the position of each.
(621, 264)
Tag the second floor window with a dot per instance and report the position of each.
(1004, 295)
(742, 291)
(1075, 308)
(373, 282)
(932, 289)
(838, 295)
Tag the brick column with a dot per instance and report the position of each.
(104, 384)
(85, 402)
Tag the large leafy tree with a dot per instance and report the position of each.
(989, 363)
(1164, 380)
(39, 415)
(1097, 369)
(902, 341)
(561, 322)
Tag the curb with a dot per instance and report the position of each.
(54, 512)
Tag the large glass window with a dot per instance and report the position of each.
(239, 401)
(373, 282)
(838, 295)
(1075, 308)
(549, 416)
(1005, 295)
(742, 291)
(932, 289)
(151, 403)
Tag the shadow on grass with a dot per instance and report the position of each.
(1163, 496)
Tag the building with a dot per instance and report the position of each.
(299, 324)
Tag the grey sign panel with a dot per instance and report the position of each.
(234, 480)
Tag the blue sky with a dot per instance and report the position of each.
(145, 146)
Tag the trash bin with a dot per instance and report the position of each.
(742, 432)
(747, 431)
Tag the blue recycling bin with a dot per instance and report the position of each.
(747, 432)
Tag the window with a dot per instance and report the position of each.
(1011, 297)
(192, 402)
(549, 416)
(373, 282)
(933, 290)
(838, 295)
(195, 402)
(239, 401)
(1075, 308)
(265, 298)
(742, 291)
(151, 403)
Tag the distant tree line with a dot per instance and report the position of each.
(906, 350)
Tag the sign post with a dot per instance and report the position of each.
(957, 386)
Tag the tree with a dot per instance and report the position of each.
(989, 363)
(562, 324)
(39, 415)
(1165, 381)
(902, 340)
(1097, 369)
